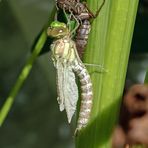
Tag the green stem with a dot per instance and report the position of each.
(109, 45)
(22, 77)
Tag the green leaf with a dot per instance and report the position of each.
(109, 46)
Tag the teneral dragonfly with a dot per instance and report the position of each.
(68, 64)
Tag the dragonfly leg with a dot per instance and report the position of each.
(101, 68)
(67, 19)
(77, 24)
(76, 133)
(98, 11)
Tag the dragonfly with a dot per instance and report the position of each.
(69, 65)
(83, 14)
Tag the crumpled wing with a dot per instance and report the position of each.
(67, 89)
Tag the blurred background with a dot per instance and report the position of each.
(34, 120)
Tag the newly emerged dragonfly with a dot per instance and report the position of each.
(67, 63)
(82, 13)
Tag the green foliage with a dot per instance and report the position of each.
(109, 46)
(22, 77)
(40, 43)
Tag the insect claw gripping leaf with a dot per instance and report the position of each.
(67, 64)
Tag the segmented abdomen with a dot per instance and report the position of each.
(86, 95)
(82, 36)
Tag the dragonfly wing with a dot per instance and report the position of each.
(70, 92)
(67, 89)
(60, 88)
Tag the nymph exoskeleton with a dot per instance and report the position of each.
(68, 64)
(84, 16)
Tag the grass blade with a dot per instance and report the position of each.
(109, 45)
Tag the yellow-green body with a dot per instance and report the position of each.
(67, 64)
(64, 50)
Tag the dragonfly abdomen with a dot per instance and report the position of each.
(86, 96)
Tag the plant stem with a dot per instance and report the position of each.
(22, 77)
(109, 45)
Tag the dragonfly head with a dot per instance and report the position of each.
(57, 30)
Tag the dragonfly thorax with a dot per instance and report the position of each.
(63, 50)
(68, 64)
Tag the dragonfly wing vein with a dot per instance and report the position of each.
(70, 92)
(60, 78)
(67, 89)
